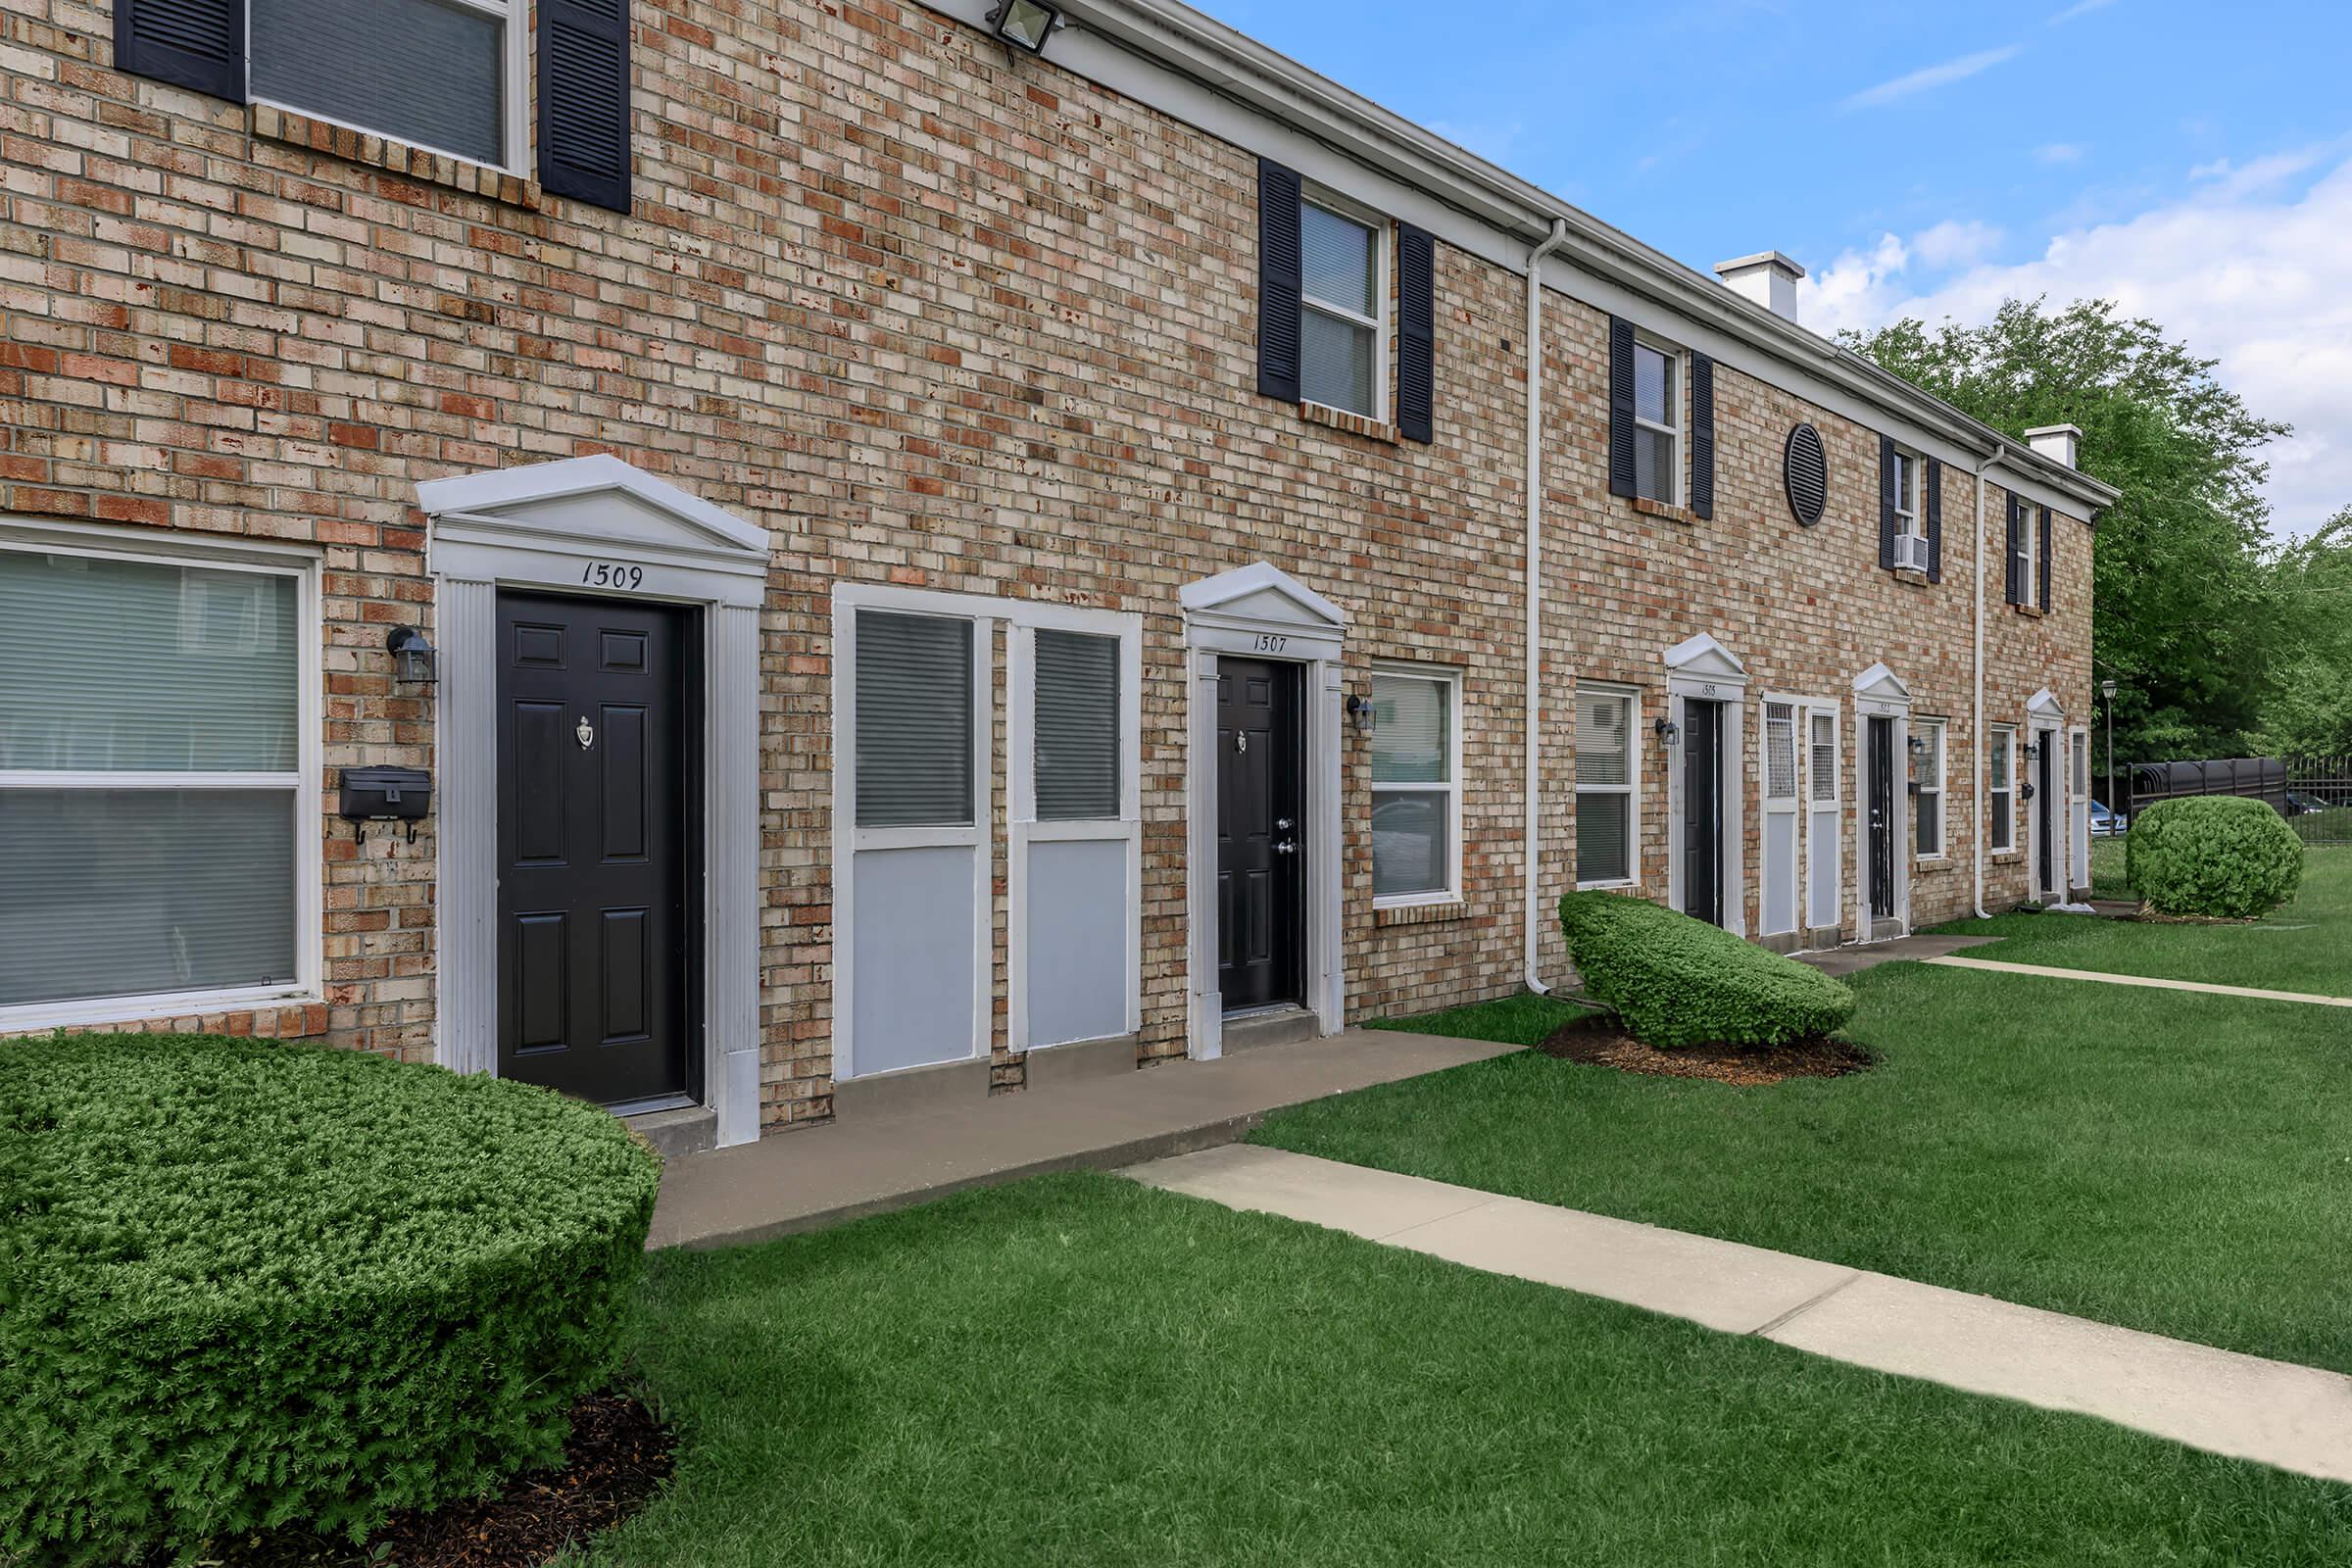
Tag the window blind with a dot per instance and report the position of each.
(1780, 751)
(913, 686)
(1825, 758)
(1601, 737)
(1077, 745)
(422, 71)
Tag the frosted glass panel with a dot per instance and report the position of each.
(112, 893)
(913, 937)
(1411, 729)
(420, 70)
(1078, 953)
(112, 665)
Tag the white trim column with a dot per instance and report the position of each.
(466, 900)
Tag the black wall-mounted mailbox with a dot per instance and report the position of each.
(386, 794)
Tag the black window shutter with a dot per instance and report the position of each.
(197, 44)
(1621, 406)
(1702, 435)
(1416, 332)
(1887, 502)
(1280, 241)
(1935, 519)
(2041, 577)
(584, 100)
(2015, 590)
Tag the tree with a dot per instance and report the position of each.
(2309, 712)
(2184, 618)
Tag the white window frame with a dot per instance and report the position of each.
(1676, 405)
(2035, 519)
(2001, 741)
(1451, 678)
(1382, 240)
(1940, 731)
(302, 786)
(1631, 789)
(1908, 474)
(515, 135)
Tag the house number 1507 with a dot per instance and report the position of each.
(611, 574)
(1271, 642)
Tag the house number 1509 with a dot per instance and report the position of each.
(611, 574)
(1271, 642)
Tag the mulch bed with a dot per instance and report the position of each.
(616, 1458)
(1600, 1040)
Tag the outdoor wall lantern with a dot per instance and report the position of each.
(1668, 731)
(1024, 24)
(1360, 712)
(413, 658)
(2033, 749)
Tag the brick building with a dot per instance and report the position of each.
(932, 556)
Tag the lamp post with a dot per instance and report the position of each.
(2114, 813)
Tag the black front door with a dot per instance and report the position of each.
(1702, 810)
(2045, 806)
(595, 944)
(1261, 838)
(1881, 818)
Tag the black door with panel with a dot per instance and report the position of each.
(2046, 806)
(1702, 810)
(595, 945)
(1261, 931)
(1881, 818)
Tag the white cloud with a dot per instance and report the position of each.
(2059, 151)
(1953, 243)
(1942, 76)
(2081, 8)
(2247, 274)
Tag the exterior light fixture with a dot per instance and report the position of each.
(2107, 690)
(1361, 711)
(413, 658)
(2033, 749)
(1668, 731)
(1024, 24)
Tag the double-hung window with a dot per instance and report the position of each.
(1657, 423)
(159, 817)
(1906, 478)
(1416, 785)
(445, 76)
(1342, 325)
(1605, 823)
(2000, 786)
(1927, 777)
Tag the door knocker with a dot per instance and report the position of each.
(586, 732)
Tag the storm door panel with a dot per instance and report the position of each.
(595, 844)
(1702, 810)
(1881, 818)
(1262, 936)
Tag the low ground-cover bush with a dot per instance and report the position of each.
(1676, 981)
(2217, 856)
(245, 1284)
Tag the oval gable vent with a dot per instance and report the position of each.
(1805, 465)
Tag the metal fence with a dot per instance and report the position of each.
(2319, 799)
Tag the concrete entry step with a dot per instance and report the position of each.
(1270, 1026)
(675, 1134)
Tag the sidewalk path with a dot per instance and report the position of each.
(2295, 1418)
(2149, 981)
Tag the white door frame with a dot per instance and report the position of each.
(596, 527)
(2078, 808)
(1791, 805)
(1260, 612)
(2045, 729)
(1879, 693)
(1701, 669)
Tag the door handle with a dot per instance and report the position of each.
(1286, 846)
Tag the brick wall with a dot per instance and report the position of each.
(930, 317)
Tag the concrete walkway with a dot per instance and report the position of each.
(1842, 961)
(858, 1165)
(2151, 982)
(2295, 1418)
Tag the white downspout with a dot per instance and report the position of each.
(1983, 817)
(1535, 588)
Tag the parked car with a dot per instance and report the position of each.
(2299, 803)
(2106, 824)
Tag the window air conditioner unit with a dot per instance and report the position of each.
(1910, 552)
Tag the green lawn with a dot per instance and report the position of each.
(2170, 1161)
(1523, 1019)
(1075, 1370)
(2306, 944)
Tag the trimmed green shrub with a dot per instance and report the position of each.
(2213, 855)
(246, 1285)
(1676, 981)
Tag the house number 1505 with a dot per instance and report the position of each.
(1271, 642)
(611, 574)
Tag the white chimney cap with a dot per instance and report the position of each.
(1767, 277)
(2062, 443)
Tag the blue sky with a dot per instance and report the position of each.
(2194, 161)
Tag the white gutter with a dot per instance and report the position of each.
(1983, 817)
(1534, 593)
